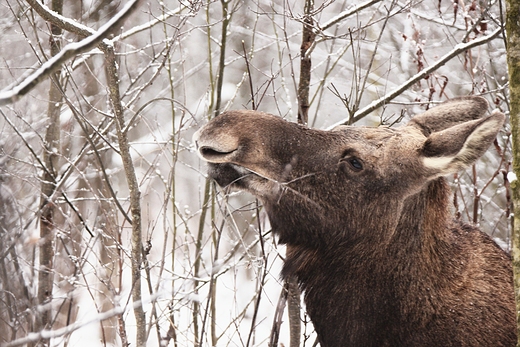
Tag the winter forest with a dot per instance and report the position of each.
(110, 232)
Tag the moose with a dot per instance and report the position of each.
(365, 213)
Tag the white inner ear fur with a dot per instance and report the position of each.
(471, 150)
(437, 163)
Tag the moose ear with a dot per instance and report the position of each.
(455, 148)
(450, 113)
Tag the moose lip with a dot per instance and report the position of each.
(221, 167)
(229, 175)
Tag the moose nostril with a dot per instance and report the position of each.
(210, 153)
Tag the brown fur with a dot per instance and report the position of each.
(375, 249)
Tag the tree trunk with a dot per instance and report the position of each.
(135, 195)
(513, 62)
(308, 36)
(47, 207)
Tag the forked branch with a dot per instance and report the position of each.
(69, 51)
(458, 49)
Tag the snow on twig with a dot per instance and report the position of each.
(69, 329)
(68, 52)
(458, 49)
(347, 13)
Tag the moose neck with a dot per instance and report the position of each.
(422, 230)
(377, 295)
(419, 233)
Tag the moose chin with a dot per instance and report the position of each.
(365, 215)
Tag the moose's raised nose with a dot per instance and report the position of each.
(211, 154)
(214, 147)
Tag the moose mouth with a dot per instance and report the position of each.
(219, 159)
(228, 175)
(223, 167)
(220, 168)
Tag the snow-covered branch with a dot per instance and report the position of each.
(49, 334)
(69, 329)
(458, 49)
(69, 51)
(347, 13)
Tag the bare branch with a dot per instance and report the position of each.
(458, 49)
(48, 208)
(347, 13)
(61, 21)
(68, 52)
(67, 330)
(308, 36)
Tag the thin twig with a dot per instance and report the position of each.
(68, 52)
(458, 49)
(253, 104)
(347, 13)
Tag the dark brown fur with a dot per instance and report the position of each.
(380, 259)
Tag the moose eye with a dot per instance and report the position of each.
(353, 163)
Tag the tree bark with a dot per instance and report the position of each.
(135, 194)
(47, 207)
(513, 62)
(308, 37)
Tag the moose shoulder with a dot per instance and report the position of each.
(365, 212)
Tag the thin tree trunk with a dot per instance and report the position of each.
(47, 207)
(308, 36)
(135, 194)
(293, 310)
(513, 62)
